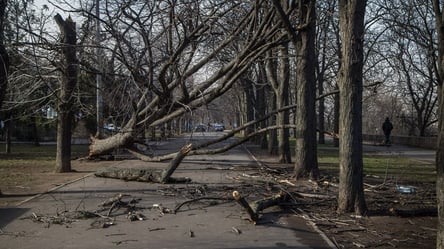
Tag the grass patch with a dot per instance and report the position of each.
(393, 167)
(26, 160)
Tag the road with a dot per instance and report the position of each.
(200, 224)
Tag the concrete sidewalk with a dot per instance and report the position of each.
(200, 224)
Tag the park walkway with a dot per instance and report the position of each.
(210, 223)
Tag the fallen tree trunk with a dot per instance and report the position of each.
(166, 174)
(123, 138)
(129, 174)
(137, 174)
(148, 175)
(255, 207)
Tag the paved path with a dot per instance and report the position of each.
(399, 150)
(205, 224)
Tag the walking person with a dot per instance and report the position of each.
(387, 127)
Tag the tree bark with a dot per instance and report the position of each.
(255, 207)
(4, 57)
(247, 86)
(303, 38)
(8, 127)
(166, 174)
(261, 104)
(306, 164)
(351, 190)
(279, 81)
(124, 138)
(440, 143)
(4, 69)
(283, 118)
(336, 119)
(272, 140)
(66, 99)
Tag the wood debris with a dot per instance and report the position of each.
(255, 207)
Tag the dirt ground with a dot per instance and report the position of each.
(29, 181)
(395, 220)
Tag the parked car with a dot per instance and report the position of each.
(219, 127)
(110, 127)
(200, 127)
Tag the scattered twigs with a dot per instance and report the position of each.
(315, 196)
(200, 199)
(111, 201)
(163, 210)
(236, 231)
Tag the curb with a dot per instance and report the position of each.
(53, 189)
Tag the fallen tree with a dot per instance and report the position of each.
(148, 175)
(162, 91)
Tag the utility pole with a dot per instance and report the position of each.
(99, 100)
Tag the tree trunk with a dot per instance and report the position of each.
(306, 164)
(321, 108)
(351, 190)
(123, 138)
(4, 57)
(4, 68)
(8, 125)
(272, 140)
(279, 82)
(261, 105)
(262, 99)
(247, 86)
(66, 99)
(440, 143)
(336, 119)
(283, 118)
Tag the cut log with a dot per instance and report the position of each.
(255, 207)
(241, 200)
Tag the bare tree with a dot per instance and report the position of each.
(409, 52)
(278, 78)
(68, 83)
(306, 149)
(351, 189)
(327, 60)
(303, 37)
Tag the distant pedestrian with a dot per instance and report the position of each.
(387, 127)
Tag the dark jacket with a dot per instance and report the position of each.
(387, 126)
